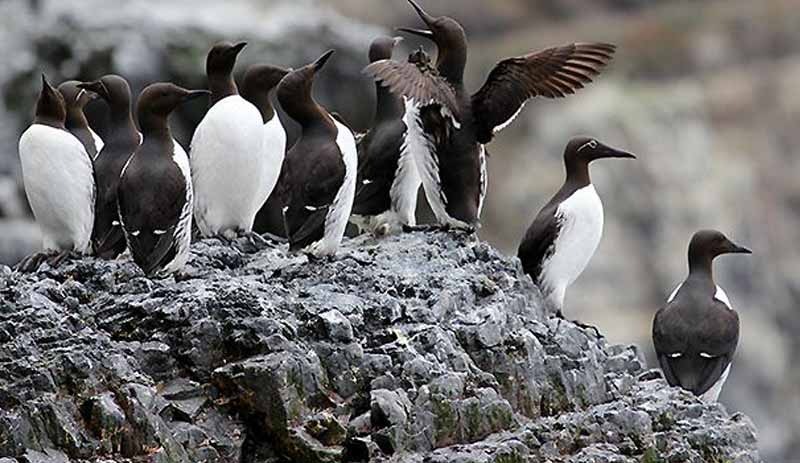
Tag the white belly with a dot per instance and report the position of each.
(183, 232)
(227, 165)
(712, 395)
(581, 218)
(274, 151)
(407, 180)
(59, 183)
(339, 212)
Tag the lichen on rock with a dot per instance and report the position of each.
(421, 347)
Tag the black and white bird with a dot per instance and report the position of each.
(388, 181)
(155, 189)
(564, 235)
(59, 183)
(451, 126)
(122, 139)
(227, 155)
(695, 334)
(318, 183)
(76, 99)
(258, 82)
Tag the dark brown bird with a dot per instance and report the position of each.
(76, 99)
(451, 126)
(696, 333)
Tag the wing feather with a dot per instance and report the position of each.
(552, 73)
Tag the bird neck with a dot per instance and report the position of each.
(261, 101)
(320, 124)
(701, 267)
(154, 127)
(122, 129)
(578, 173)
(451, 62)
(389, 106)
(76, 119)
(221, 86)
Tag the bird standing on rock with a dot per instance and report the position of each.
(122, 140)
(155, 189)
(227, 155)
(59, 183)
(565, 234)
(388, 180)
(696, 333)
(76, 99)
(318, 183)
(451, 127)
(258, 82)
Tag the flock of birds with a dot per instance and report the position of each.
(138, 190)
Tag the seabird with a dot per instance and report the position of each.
(227, 156)
(696, 333)
(453, 126)
(59, 183)
(76, 99)
(258, 82)
(155, 189)
(565, 234)
(388, 180)
(318, 182)
(122, 140)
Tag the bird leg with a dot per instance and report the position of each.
(31, 263)
(56, 260)
(560, 316)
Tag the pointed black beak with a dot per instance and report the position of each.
(320, 62)
(236, 49)
(428, 19)
(736, 249)
(604, 152)
(192, 94)
(46, 84)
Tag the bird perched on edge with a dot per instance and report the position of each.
(227, 155)
(76, 99)
(155, 189)
(696, 333)
(564, 235)
(122, 139)
(388, 180)
(318, 182)
(451, 127)
(258, 82)
(59, 183)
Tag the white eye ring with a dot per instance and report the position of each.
(591, 144)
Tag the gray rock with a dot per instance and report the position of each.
(277, 358)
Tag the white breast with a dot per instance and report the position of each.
(712, 395)
(274, 151)
(407, 181)
(228, 166)
(183, 232)
(98, 142)
(581, 218)
(59, 184)
(339, 212)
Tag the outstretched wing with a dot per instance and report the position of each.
(552, 73)
(419, 83)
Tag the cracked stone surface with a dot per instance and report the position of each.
(425, 347)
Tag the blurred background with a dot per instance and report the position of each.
(704, 92)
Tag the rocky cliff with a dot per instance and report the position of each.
(422, 347)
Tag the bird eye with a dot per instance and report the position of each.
(593, 144)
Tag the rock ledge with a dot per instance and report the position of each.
(422, 347)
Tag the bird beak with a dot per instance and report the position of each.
(320, 62)
(46, 84)
(96, 88)
(236, 49)
(192, 94)
(428, 19)
(736, 249)
(604, 151)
